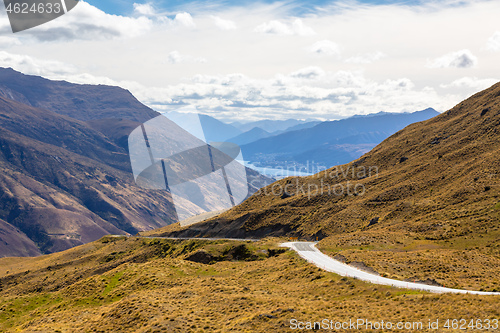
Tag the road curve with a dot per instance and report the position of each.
(309, 252)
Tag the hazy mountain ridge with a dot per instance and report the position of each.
(217, 131)
(298, 127)
(272, 126)
(252, 135)
(302, 145)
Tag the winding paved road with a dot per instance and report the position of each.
(309, 252)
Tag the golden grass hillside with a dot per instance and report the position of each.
(150, 285)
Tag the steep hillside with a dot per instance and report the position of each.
(63, 184)
(15, 243)
(116, 129)
(433, 185)
(53, 129)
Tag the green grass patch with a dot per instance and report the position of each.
(90, 301)
(112, 283)
(13, 311)
(409, 292)
(208, 271)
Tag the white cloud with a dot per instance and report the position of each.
(366, 58)
(312, 91)
(175, 57)
(325, 47)
(224, 24)
(86, 22)
(145, 9)
(6, 42)
(299, 28)
(254, 76)
(471, 82)
(459, 59)
(308, 73)
(494, 42)
(30, 65)
(276, 27)
(185, 19)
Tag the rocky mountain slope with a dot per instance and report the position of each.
(66, 177)
(63, 184)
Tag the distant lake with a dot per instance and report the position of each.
(279, 173)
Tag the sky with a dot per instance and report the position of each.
(247, 60)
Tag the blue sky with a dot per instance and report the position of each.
(123, 7)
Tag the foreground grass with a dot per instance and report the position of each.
(137, 285)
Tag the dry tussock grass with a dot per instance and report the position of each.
(137, 285)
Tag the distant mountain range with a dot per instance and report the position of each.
(275, 126)
(297, 127)
(306, 146)
(309, 145)
(250, 136)
(214, 130)
(239, 133)
(332, 142)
